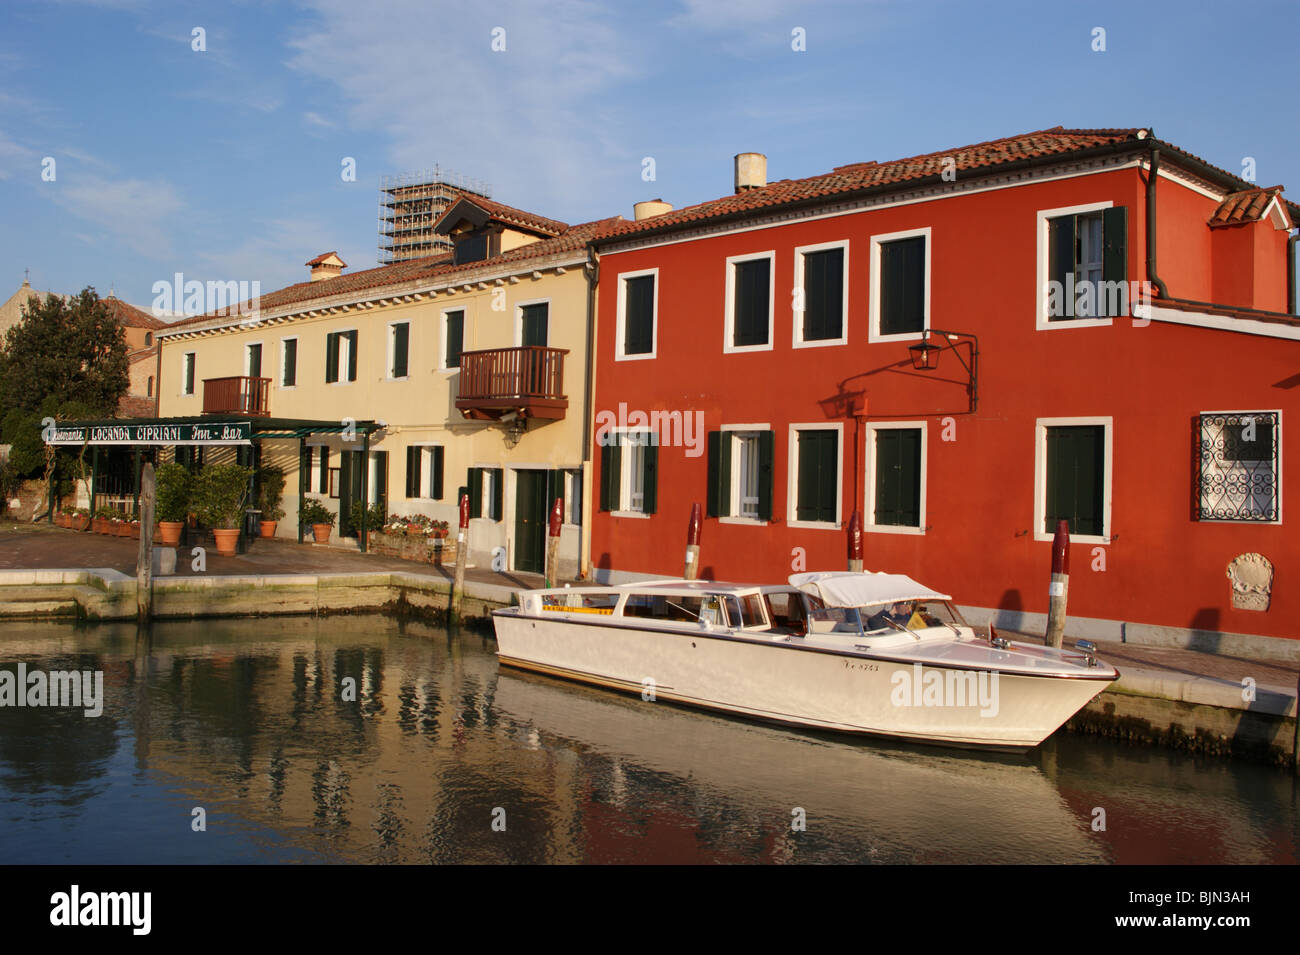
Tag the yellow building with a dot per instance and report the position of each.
(474, 366)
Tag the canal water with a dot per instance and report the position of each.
(232, 741)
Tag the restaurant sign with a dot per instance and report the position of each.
(218, 432)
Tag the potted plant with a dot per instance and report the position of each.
(101, 523)
(220, 492)
(375, 518)
(174, 482)
(270, 492)
(320, 518)
(80, 519)
(440, 529)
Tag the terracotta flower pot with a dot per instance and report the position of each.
(227, 538)
(133, 530)
(170, 531)
(268, 528)
(80, 522)
(414, 530)
(322, 532)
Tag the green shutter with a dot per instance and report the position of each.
(823, 282)
(816, 498)
(401, 345)
(535, 324)
(902, 286)
(611, 464)
(352, 355)
(638, 315)
(898, 477)
(717, 493)
(475, 492)
(413, 471)
(766, 462)
(324, 470)
(649, 498)
(554, 489)
(498, 494)
(332, 357)
(1061, 262)
(1114, 243)
(436, 465)
(455, 339)
(381, 479)
(1075, 478)
(752, 287)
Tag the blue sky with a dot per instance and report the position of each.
(225, 164)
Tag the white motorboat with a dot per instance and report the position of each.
(875, 654)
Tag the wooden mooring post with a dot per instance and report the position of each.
(855, 543)
(144, 558)
(553, 544)
(693, 533)
(462, 556)
(1058, 591)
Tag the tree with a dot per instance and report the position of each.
(71, 351)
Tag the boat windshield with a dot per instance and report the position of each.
(910, 615)
(835, 620)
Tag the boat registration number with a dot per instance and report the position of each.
(853, 665)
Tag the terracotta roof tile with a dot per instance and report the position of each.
(323, 256)
(509, 215)
(130, 316)
(1248, 205)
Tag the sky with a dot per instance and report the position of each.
(213, 139)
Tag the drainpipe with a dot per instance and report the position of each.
(1290, 271)
(592, 271)
(1152, 177)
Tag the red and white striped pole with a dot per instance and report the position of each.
(462, 558)
(693, 543)
(855, 543)
(1059, 589)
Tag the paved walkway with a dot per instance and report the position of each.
(40, 547)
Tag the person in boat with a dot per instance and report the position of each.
(899, 614)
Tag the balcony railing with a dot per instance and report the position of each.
(528, 380)
(240, 395)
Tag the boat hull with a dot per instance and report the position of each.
(796, 685)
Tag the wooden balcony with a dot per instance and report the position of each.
(239, 395)
(528, 380)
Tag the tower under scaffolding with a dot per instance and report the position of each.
(411, 203)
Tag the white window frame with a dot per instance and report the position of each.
(248, 359)
(284, 355)
(519, 320)
(1043, 216)
(442, 338)
(345, 357)
(313, 476)
(392, 349)
(799, 253)
(875, 287)
(572, 494)
(189, 360)
(1277, 478)
(792, 469)
(729, 323)
(625, 474)
(869, 478)
(1040, 477)
(729, 431)
(621, 322)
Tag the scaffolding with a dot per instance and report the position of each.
(410, 204)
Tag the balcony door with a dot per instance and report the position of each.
(254, 361)
(534, 321)
(530, 521)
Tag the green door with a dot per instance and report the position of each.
(349, 487)
(530, 521)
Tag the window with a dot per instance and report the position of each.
(288, 362)
(424, 471)
(341, 356)
(1073, 478)
(900, 285)
(1082, 265)
(253, 360)
(637, 315)
(740, 473)
(453, 339)
(148, 339)
(895, 479)
(629, 465)
(320, 468)
(399, 341)
(187, 374)
(749, 303)
(821, 275)
(815, 464)
(533, 323)
(149, 392)
(486, 493)
(1240, 454)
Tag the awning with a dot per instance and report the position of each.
(847, 589)
(205, 430)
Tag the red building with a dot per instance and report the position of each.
(954, 346)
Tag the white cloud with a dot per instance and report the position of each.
(316, 119)
(138, 212)
(521, 118)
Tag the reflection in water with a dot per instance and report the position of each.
(362, 739)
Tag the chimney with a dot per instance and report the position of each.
(326, 266)
(650, 208)
(751, 171)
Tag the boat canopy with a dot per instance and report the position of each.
(846, 589)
